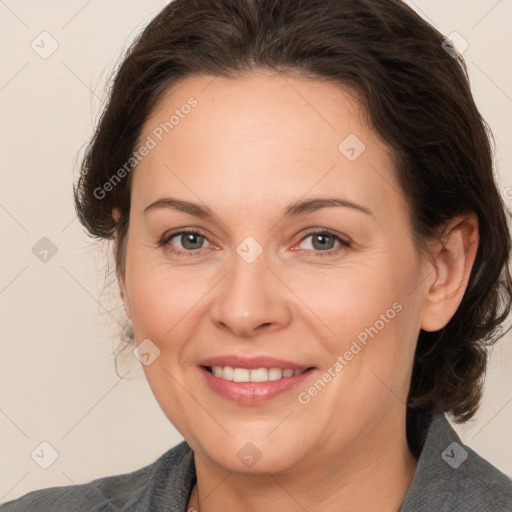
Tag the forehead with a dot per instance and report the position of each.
(269, 136)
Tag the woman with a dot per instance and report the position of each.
(312, 252)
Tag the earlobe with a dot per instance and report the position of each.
(451, 262)
(122, 293)
(120, 278)
(127, 310)
(126, 306)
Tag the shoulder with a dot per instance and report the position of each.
(169, 477)
(451, 476)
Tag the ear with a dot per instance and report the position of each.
(451, 267)
(122, 292)
(116, 214)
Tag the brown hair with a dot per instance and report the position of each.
(415, 94)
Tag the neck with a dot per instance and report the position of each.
(370, 475)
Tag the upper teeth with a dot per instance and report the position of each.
(255, 375)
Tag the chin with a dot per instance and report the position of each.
(261, 456)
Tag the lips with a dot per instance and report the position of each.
(252, 362)
(252, 380)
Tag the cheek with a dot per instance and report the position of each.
(161, 302)
(159, 296)
(347, 301)
(367, 315)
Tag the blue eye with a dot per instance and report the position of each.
(190, 240)
(323, 243)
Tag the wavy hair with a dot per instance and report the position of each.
(414, 90)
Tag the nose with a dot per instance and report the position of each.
(251, 299)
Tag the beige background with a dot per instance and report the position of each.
(58, 323)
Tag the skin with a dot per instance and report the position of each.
(252, 146)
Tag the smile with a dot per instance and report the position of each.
(252, 375)
(252, 380)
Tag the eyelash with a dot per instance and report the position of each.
(344, 243)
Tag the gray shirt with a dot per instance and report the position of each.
(449, 477)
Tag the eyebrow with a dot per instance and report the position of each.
(296, 209)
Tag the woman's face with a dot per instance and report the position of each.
(251, 164)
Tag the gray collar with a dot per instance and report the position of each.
(449, 477)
